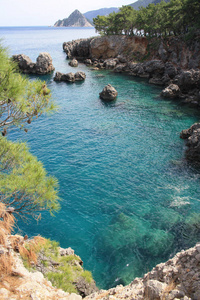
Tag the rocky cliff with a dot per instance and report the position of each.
(172, 63)
(76, 19)
(178, 278)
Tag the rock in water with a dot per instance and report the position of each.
(70, 77)
(79, 76)
(43, 64)
(109, 93)
(73, 63)
(193, 142)
(172, 91)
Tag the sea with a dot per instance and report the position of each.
(129, 198)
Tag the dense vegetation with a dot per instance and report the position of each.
(173, 18)
(25, 188)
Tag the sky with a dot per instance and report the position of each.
(47, 12)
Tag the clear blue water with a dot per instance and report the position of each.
(129, 198)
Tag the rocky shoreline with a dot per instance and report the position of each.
(171, 63)
(178, 278)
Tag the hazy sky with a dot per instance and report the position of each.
(47, 12)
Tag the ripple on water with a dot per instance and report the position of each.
(129, 200)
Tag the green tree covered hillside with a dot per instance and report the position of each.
(172, 18)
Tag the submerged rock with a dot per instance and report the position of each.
(109, 93)
(42, 66)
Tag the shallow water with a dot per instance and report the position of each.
(128, 195)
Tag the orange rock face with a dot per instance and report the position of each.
(112, 46)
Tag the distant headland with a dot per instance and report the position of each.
(76, 19)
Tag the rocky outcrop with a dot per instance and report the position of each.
(42, 66)
(192, 135)
(106, 47)
(172, 91)
(76, 19)
(178, 278)
(73, 63)
(70, 77)
(112, 46)
(171, 63)
(109, 93)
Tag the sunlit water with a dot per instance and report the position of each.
(128, 195)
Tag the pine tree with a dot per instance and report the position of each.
(25, 187)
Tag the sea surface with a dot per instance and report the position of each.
(129, 198)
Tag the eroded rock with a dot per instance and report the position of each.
(73, 63)
(109, 93)
(193, 142)
(69, 77)
(172, 91)
(42, 66)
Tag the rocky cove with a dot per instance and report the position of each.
(171, 63)
(160, 285)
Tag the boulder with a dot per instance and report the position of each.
(186, 133)
(172, 91)
(24, 62)
(110, 63)
(189, 80)
(69, 77)
(73, 63)
(44, 63)
(42, 66)
(79, 76)
(109, 93)
(193, 142)
(88, 62)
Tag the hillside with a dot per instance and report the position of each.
(101, 12)
(76, 19)
(106, 11)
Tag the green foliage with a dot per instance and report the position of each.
(173, 18)
(24, 183)
(63, 280)
(87, 275)
(21, 100)
(67, 270)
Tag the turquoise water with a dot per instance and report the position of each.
(129, 198)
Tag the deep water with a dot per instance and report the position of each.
(129, 198)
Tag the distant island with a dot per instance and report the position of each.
(76, 19)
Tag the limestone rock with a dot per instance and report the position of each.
(110, 63)
(109, 93)
(154, 289)
(172, 91)
(44, 63)
(189, 80)
(193, 142)
(24, 62)
(73, 63)
(80, 76)
(69, 77)
(42, 66)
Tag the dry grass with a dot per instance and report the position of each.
(29, 250)
(6, 263)
(7, 222)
